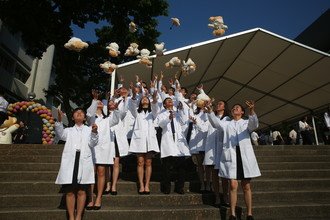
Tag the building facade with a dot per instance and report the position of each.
(21, 74)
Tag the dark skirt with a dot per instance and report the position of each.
(239, 165)
(116, 148)
(74, 186)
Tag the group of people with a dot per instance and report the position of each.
(301, 134)
(147, 121)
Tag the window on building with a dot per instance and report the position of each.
(6, 62)
(21, 74)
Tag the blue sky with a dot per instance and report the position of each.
(287, 18)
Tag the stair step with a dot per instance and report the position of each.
(287, 184)
(30, 167)
(55, 151)
(30, 159)
(293, 158)
(164, 212)
(120, 200)
(46, 187)
(293, 165)
(40, 187)
(290, 147)
(287, 152)
(17, 176)
(279, 197)
(12, 176)
(292, 211)
(31, 146)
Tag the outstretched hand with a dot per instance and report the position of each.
(95, 94)
(208, 106)
(59, 115)
(200, 87)
(94, 128)
(250, 105)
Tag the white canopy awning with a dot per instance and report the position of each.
(284, 77)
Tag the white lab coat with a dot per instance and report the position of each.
(120, 132)
(198, 133)
(103, 153)
(237, 134)
(72, 138)
(144, 137)
(169, 147)
(213, 144)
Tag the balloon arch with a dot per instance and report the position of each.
(48, 130)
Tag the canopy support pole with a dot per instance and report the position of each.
(315, 133)
(112, 87)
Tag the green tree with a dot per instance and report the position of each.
(46, 22)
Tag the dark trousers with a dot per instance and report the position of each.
(3, 117)
(176, 164)
(307, 137)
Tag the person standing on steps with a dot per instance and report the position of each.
(102, 152)
(305, 131)
(238, 161)
(213, 151)
(144, 139)
(76, 169)
(174, 147)
(118, 138)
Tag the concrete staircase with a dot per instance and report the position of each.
(27, 190)
(295, 184)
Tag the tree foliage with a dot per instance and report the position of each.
(46, 22)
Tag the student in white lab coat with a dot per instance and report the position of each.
(174, 147)
(144, 140)
(238, 161)
(196, 136)
(103, 153)
(119, 141)
(213, 151)
(76, 169)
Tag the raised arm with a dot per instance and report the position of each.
(154, 104)
(94, 136)
(253, 119)
(92, 108)
(59, 129)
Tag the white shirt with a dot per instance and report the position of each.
(3, 104)
(293, 134)
(327, 119)
(303, 126)
(254, 136)
(275, 134)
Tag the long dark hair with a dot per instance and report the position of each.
(226, 110)
(140, 108)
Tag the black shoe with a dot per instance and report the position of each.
(89, 207)
(232, 217)
(249, 217)
(96, 207)
(106, 192)
(167, 192)
(227, 205)
(146, 193)
(141, 193)
(179, 191)
(113, 193)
